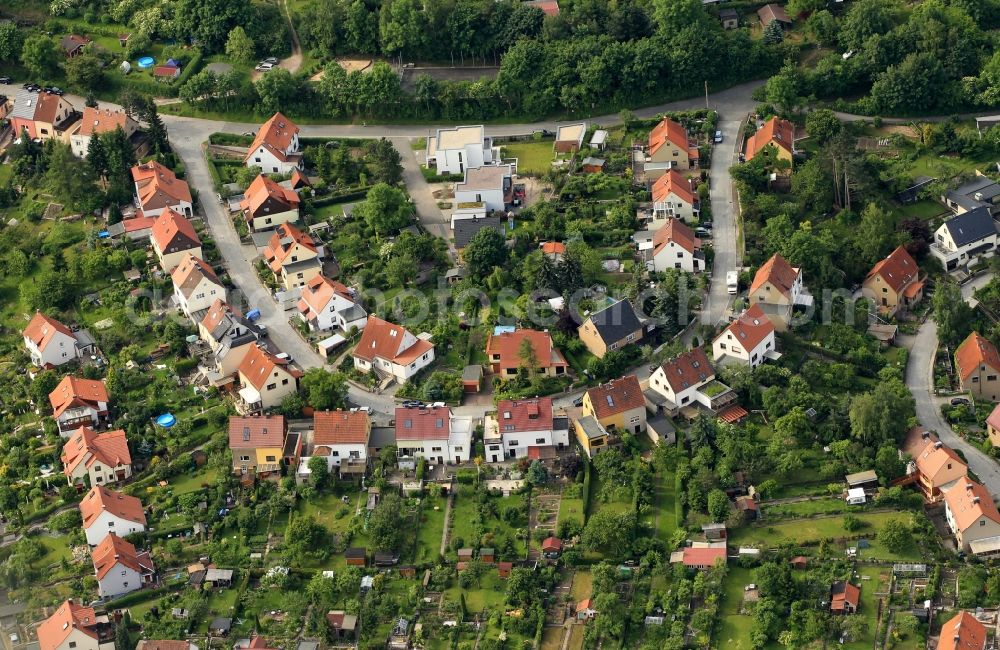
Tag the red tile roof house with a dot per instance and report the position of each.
(993, 426)
(293, 256)
(674, 196)
(504, 354)
(266, 380)
(196, 286)
(977, 365)
(120, 568)
(703, 558)
(777, 287)
(424, 433)
(936, 466)
(171, 237)
(77, 402)
(251, 439)
(668, 147)
(44, 116)
(105, 511)
(585, 610)
(267, 205)
(894, 283)
(962, 632)
(686, 380)
(330, 305)
(675, 247)
(75, 627)
(158, 188)
(166, 73)
(552, 547)
(391, 351)
(749, 340)
(776, 133)
(50, 343)
(96, 121)
(844, 598)
(275, 149)
(103, 457)
(517, 427)
(342, 438)
(773, 12)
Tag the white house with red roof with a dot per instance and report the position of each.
(390, 350)
(973, 518)
(102, 457)
(196, 286)
(266, 204)
(78, 402)
(275, 148)
(342, 438)
(75, 627)
(748, 340)
(673, 196)
(675, 247)
(326, 305)
(97, 121)
(266, 380)
(426, 432)
(119, 568)
(524, 428)
(172, 236)
(963, 631)
(50, 343)
(688, 380)
(158, 188)
(105, 511)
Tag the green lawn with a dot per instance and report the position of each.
(490, 594)
(806, 531)
(57, 549)
(571, 510)
(923, 209)
(733, 631)
(431, 528)
(583, 585)
(868, 607)
(332, 512)
(664, 506)
(464, 516)
(193, 482)
(533, 158)
(805, 508)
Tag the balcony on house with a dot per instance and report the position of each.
(719, 395)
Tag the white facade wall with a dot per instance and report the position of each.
(728, 347)
(674, 256)
(109, 523)
(119, 580)
(201, 298)
(492, 198)
(61, 349)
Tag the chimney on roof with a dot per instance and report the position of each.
(937, 445)
(925, 434)
(975, 499)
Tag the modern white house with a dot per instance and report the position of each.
(524, 428)
(390, 350)
(454, 150)
(105, 511)
(119, 568)
(964, 238)
(327, 305)
(275, 148)
(51, 343)
(103, 458)
(196, 286)
(749, 340)
(491, 185)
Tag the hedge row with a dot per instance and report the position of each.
(586, 490)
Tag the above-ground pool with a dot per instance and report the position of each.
(146, 62)
(166, 420)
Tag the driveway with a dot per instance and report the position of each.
(920, 380)
(433, 220)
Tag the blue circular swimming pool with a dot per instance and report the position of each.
(146, 62)
(166, 420)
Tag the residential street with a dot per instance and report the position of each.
(920, 380)
(724, 232)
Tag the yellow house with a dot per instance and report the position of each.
(257, 443)
(611, 328)
(894, 284)
(172, 237)
(618, 405)
(777, 134)
(993, 426)
(777, 288)
(292, 256)
(669, 146)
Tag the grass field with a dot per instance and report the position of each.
(733, 631)
(533, 158)
(431, 528)
(924, 209)
(571, 510)
(805, 531)
(583, 585)
(868, 607)
(491, 593)
(464, 516)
